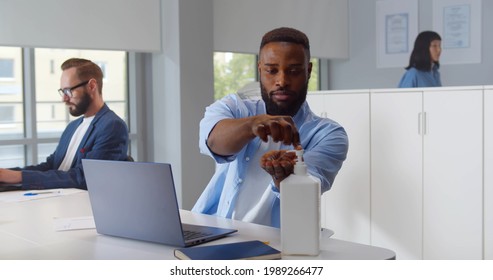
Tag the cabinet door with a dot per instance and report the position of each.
(316, 101)
(396, 172)
(488, 174)
(452, 190)
(347, 204)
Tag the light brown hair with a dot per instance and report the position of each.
(85, 70)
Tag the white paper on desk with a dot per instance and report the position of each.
(18, 196)
(74, 223)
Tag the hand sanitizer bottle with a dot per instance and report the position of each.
(300, 211)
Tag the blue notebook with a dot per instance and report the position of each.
(248, 250)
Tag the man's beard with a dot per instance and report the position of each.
(289, 109)
(82, 106)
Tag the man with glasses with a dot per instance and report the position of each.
(98, 134)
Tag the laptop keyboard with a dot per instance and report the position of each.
(189, 234)
(4, 187)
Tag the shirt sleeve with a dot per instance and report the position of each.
(229, 107)
(409, 79)
(325, 154)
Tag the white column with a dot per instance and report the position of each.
(182, 86)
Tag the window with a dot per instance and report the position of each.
(45, 150)
(11, 156)
(233, 71)
(6, 114)
(102, 65)
(6, 68)
(52, 66)
(314, 83)
(11, 95)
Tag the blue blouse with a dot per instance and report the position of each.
(417, 78)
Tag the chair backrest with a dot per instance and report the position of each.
(250, 91)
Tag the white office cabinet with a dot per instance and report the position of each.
(488, 173)
(431, 171)
(346, 207)
(426, 180)
(316, 101)
(452, 181)
(396, 172)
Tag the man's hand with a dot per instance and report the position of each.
(280, 128)
(279, 164)
(229, 136)
(10, 176)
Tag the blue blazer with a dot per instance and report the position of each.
(106, 138)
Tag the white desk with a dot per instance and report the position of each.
(27, 232)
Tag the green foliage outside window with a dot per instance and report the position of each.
(313, 84)
(232, 71)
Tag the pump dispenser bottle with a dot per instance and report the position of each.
(300, 211)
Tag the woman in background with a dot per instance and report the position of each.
(424, 62)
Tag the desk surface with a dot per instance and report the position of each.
(27, 232)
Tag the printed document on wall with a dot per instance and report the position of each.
(459, 24)
(396, 28)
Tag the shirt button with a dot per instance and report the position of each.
(240, 180)
(247, 159)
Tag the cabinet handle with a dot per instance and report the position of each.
(424, 123)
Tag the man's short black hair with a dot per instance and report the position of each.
(286, 34)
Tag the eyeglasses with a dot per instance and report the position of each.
(68, 91)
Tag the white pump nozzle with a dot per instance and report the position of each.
(300, 166)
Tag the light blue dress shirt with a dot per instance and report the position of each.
(417, 78)
(325, 143)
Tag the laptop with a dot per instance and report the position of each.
(137, 200)
(5, 187)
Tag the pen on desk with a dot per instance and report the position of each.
(36, 193)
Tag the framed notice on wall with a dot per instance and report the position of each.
(459, 24)
(397, 25)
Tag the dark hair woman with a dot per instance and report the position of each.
(424, 62)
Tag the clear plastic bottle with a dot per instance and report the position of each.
(300, 211)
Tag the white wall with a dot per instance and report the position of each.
(239, 24)
(130, 25)
(360, 72)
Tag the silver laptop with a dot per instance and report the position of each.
(137, 200)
